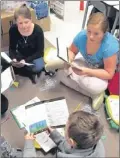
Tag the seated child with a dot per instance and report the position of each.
(82, 138)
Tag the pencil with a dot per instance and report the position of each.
(77, 108)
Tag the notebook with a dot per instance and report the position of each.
(39, 116)
(62, 53)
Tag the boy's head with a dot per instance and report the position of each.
(83, 130)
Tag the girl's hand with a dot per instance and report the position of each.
(22, 61)
(14, 60)
(81, 71)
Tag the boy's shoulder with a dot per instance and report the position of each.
(99, 150)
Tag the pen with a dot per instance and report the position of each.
(77, 108)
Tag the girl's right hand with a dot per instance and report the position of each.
(14, 60)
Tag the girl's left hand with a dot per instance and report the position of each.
(82, 71)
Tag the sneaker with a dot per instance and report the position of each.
(97, 101)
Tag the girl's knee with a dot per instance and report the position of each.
(97, 88)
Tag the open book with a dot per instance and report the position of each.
(53, 112)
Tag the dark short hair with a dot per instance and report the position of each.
(99, 18)
(85, 129)
(24, 11)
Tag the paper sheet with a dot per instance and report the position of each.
(6, 57)
(61, 131)
(45, 141)
(28, 64)
(6, 79)
(62, 50)
(57, 112)
(20, 114)
(36, 118)
(9, 60)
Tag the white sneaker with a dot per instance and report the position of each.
(97, 101)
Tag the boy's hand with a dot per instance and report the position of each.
(30, 136)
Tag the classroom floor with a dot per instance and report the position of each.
(26, 91)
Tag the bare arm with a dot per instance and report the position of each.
(29, 149)
(73, 50)
(106, 73)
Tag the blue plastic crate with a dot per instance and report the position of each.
(41, 10)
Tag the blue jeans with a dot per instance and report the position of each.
(38, 65)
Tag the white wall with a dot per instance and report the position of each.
(72, 13)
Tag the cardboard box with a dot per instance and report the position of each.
(7, 19)
(44, 23)
(4, 40)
